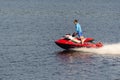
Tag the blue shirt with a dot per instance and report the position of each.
(78, 28)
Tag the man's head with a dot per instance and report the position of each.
(75, 21)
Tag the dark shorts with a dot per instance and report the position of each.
(80, 34)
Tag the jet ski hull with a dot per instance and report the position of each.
(68, 44)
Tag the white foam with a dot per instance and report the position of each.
(106, 49)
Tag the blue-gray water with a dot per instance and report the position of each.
(28, 29)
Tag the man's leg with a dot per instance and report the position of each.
(82, 39)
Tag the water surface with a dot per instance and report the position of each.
(28, 29)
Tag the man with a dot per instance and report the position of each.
(79, 30)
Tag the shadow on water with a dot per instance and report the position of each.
(70, 55)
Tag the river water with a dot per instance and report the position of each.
(28, 29)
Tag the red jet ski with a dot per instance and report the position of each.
(68, 42)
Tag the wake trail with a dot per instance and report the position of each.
(106, 49)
